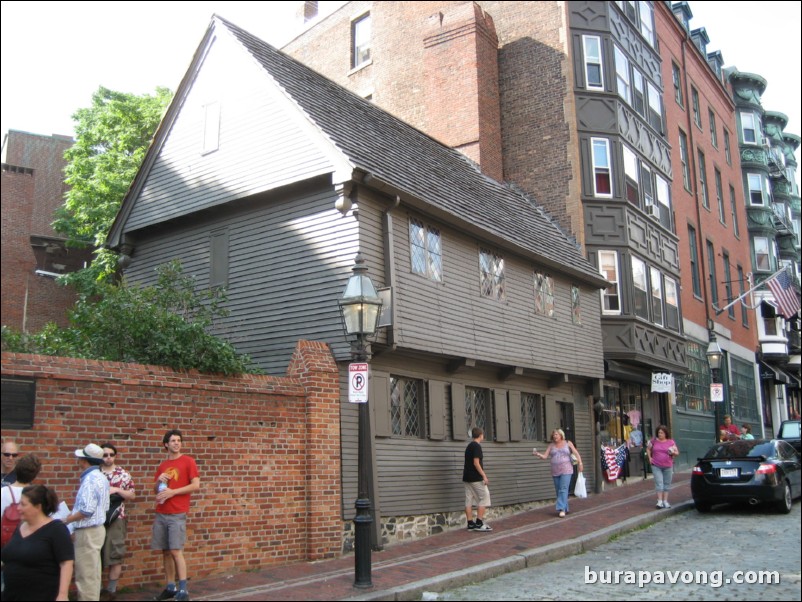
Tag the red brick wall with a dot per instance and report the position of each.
(534, 90)
(268, 450)
(32, 189)
(676, 47)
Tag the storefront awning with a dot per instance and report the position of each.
(777, 375)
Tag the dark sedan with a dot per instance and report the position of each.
(748, 471)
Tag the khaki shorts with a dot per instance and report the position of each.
(114, 547)
(476, 494)
(169, 532)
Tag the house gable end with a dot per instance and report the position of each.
(232, 133)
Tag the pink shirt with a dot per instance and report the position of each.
(660, 455)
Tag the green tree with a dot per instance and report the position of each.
(112, 137)
(167, 324)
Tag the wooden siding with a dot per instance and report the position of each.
(422, 476)
(452, 318)
(263, 143)
(289, 259)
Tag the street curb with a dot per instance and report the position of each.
(526, 559)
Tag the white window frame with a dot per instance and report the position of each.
(672, 303)
(593, 59)
(361, 34)
(749, 124)
(754, 183)
(655, 117)
(656, 277)
(646, 21)
(611, 296)
(762, 253)
(622, 77)
(640, 286)
(603, 144)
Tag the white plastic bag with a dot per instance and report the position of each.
(579, 488)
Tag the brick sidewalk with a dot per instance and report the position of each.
(402, 571)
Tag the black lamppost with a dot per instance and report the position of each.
(360, 307)
(714, 355)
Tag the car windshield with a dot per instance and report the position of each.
(790, 430)
(745, 448)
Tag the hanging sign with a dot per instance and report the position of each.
(717, 392)
(662, 382)
(358, 382)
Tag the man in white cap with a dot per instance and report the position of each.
(86, 521)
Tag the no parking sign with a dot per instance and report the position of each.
(358, 383)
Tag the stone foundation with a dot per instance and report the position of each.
(396, 529)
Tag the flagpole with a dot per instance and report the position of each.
(751, 290)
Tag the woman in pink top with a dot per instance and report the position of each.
(661, 451)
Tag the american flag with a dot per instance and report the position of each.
(785, 295)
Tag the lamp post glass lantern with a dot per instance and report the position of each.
(360, 307)
(714, 356)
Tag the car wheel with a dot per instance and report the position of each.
(703, 507)
(784, 505)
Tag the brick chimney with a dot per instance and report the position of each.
(460, 65)
(306, 11)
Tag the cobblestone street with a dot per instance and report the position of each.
(728, 545)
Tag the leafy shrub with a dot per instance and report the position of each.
(167, 324)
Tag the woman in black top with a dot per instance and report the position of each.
(38, 561)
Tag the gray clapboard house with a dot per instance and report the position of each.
(267, 178)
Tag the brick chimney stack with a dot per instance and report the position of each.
(306, 12)
(462, 90)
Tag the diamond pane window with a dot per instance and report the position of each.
(532, 417)
(476, 405)
(405, 406)
(425, 250)
(491, 269)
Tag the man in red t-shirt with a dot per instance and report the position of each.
(175, 481)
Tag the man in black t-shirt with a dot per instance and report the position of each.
(475, 482)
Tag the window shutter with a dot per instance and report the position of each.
(437, 410)
(516, 428)
(502, 426)
(458, 431)
(379, 397)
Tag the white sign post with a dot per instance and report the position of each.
(717, 393)
(358, 382)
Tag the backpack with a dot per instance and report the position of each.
(11, 518)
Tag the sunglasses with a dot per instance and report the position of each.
(8, 455)
(109, 455)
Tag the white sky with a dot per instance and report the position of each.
(56, 54)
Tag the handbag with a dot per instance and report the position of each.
(580, 489)
(115, 508)
(574, 460)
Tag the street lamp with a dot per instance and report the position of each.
(360, 307)
(714, 355)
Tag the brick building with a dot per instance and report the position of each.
(712, 227)
(33, 188)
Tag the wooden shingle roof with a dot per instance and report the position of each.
(391, 150)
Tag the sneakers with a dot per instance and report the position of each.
(666, 505)
(480, 526)
(562, 513)
(181, 595)
(167, 594)
(660, 504)
(471, 525)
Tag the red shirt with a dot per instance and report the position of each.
(181, 470)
